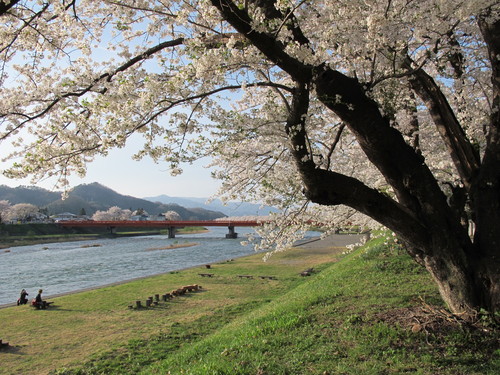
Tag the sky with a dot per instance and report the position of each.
(139, 179)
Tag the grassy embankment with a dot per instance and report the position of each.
(361, 315)
(31, 234)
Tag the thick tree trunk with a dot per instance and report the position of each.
(466, 291)
(488, 283)
(466, 272)
(454, 268)
(467, 280)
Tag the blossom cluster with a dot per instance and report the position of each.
(80, 81)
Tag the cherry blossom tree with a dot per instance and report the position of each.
(20, 212)
(114, 213)
(172, 215)
(139, 212)
(4, 206)
(383, 111)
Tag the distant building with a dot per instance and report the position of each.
(139, 217)
(64, 216)
(159, 217)
(39, 218)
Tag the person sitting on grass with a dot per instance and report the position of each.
(22, 299)
(38, 302)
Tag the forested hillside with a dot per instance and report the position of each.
(93, 197)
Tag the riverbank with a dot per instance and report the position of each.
(372, 312)
(336, 241)
(89, 322)
(170, 247)
(63, 267)
(10, 241)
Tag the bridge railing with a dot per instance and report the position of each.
(159, 223)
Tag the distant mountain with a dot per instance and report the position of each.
(94, 197)
(229, 209)
(28, 194)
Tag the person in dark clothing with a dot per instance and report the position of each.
(38, 301)
(22, 299)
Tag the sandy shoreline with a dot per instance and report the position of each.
(174, 246)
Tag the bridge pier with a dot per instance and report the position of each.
(171, 232)
(232, 233)
(112, 230)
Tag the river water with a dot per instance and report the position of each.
(71, 266)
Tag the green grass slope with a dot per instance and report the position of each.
(373, 312)
(96, 328)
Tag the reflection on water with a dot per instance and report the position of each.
(70, 266)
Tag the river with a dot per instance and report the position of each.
(72, 266)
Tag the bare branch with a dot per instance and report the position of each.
(334, 144)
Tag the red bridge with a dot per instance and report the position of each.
(171, 225)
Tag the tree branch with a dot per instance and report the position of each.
(26, 23)
(334, 144)
(403, 168)
(331, 188)
(203, 95)
(487, 199)
(296, 127)
(464, 156)
(267, 44)
(491, 34)
(4, 7)
(105, 76)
